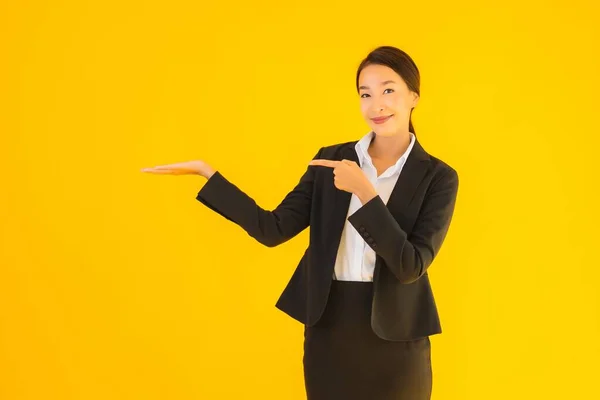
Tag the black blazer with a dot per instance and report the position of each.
(406, 235)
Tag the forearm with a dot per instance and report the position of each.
(408, 255)
(270, 228)
(229, 201)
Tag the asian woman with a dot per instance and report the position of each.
(379, 209)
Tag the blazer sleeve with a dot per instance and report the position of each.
(270, 228)
(409, 256)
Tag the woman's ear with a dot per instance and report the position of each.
(415, 99)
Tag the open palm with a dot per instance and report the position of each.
(196, 167)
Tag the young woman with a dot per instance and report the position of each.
(379, 209)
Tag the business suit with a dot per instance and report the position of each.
(406, 234)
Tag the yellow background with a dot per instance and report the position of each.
(116, 284)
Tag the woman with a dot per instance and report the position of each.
(379, 209)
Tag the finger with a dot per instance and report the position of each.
(161, 171)
(173, 171)
(171, 166)
(324, 163)
(153, 169)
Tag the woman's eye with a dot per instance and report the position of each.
(366, 94)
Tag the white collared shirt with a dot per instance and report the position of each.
(355, 259)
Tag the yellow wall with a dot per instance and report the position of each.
(119, 285)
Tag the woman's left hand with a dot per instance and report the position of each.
(349, 177)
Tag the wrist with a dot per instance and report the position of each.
(366, 195)
(208, 174)
(206, 170)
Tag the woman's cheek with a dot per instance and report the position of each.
(363, 109)
(394, 102)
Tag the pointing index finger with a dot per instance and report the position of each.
(324, 163)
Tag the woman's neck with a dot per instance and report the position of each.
(389, 147)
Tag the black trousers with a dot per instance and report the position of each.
(344, 359)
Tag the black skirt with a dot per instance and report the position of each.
(344, 359)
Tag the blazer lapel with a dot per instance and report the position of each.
(341, 202)
(412, 174)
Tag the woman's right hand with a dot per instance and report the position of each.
(196, 167)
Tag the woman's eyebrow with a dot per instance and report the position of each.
(382, 83)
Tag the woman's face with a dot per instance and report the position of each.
(383, 93)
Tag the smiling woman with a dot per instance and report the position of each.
(388, 82)
(379, 209)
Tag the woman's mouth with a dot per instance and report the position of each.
(381, 120)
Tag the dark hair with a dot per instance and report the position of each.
(401, 63)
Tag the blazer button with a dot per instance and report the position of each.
(361, 229)
(370, 240)
(366, 234)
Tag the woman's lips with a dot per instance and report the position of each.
(381, 120)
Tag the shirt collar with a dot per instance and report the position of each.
(362, 147)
